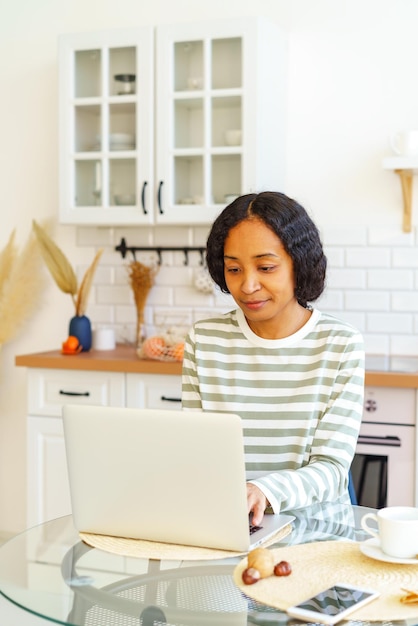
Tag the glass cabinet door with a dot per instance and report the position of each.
(106, 95)
(208, 124)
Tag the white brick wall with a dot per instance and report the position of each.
(372, 283)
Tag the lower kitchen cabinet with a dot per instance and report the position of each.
(153, 391)
(48, 390)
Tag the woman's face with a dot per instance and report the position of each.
(259, 275)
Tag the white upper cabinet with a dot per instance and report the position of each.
(170, 141)
(106, 127)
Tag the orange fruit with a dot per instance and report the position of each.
(71, 345)
(154, 347)
(177, 351)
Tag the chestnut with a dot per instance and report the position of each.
(250, 575)
(282, 569)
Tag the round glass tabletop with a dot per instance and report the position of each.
(49, 572)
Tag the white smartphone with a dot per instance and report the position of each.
(333, 604)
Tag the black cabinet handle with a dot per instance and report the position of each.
(166, 399)
(74, 393)
(143, 198)
(160, 208)
(370, 440)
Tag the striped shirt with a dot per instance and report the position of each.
(300, 399)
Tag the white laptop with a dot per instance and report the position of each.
(170, 476)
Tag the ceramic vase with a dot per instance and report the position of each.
(80, 327)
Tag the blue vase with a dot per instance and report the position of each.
(80, 327)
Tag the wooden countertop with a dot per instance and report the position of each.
(124, 359)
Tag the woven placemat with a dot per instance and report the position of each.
(140, 548)
(316, 566)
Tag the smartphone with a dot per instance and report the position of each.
(333, 604)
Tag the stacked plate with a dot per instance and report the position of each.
(117, 141)
(121, 141)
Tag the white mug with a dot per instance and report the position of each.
(104, 339)
(398, 530)
(405, 143)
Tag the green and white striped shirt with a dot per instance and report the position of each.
(300, 399)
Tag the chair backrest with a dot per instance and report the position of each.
(351, 489)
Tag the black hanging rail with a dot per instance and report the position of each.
(123, 249)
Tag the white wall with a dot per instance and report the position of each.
(352, 82)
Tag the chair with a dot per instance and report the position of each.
(351, 489)
(383, 468)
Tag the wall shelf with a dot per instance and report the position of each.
(406, 168)
(123, 248)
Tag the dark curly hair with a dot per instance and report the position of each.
(292, 225)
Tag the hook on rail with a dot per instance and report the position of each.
(123, 248)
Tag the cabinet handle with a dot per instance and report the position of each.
(369, 440)
(160, 208)
(166, 399)
(143, 198)
(74, 393)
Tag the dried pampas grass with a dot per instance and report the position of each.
(56, 261)
(21, 284)
(141, 279)
(62, 272)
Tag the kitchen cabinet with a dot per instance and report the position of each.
(48, 389)
(106, 130)
(153, 392)
(202, 122)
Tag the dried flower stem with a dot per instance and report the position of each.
(62, 271)
(141, 279)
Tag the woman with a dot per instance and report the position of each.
(294, 375)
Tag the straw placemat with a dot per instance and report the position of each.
(140, 548)
(316, 566)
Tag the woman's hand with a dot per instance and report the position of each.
(257, 503)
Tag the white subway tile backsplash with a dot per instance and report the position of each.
(172, 317)
(368, 257)
(173, 236)
(114, 294)
(330, 300)
(101, 314)
(125, 314)
(405, 257)
(372, 282)
(367, 301)
(390, 279)
(382, 236)
(346, 279)
(94, 236)
(104, 275)
(162, 296)
(174, 276)
(192, 297)
(357, 320)
(404, 301)
(389, 323)
(376, 343)
(344, 236)
(404, 345)
(335, 256)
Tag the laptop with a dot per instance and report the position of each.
(161, 475)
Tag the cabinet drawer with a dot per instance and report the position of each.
(49, 389)
(153, 391)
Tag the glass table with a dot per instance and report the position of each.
(50, 573)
